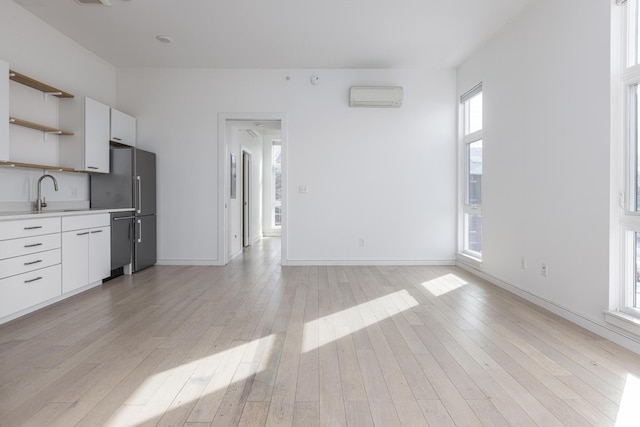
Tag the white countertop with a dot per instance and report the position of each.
(57, 212)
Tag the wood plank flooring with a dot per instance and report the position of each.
(257, 344)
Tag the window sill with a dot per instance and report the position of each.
(469, 260)
(623, 321)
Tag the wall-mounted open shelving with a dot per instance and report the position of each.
(35, 84)
(35, 166)
(47, 90)
(38, 126)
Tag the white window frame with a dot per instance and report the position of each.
(273, 186)
(625, 78)
(466, 139)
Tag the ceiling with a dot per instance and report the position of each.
(280, 33)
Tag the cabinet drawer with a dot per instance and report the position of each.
(28, 245)
(28, 289)
(26, 263)
(28, 227)
(78, 222)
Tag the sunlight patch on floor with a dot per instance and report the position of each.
(202, 377)
(629, 412)
(338, 325)
(443, 284)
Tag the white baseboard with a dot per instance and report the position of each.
(303, 263)
(600, 328)
(205, 262)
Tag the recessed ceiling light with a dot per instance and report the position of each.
(164, 39)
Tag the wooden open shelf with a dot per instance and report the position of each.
(35, 84)
(38, 126)
(35, 166)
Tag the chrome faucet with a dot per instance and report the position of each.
(40, 203)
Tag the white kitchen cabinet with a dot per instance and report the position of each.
(88, 149)
(99, 254)
(29, 263)
(123, 128)
(86, 250)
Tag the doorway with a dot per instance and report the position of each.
(236, 228)
(246, 199)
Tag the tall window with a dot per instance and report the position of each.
(629, 294)
(471, 126)
(276, 168)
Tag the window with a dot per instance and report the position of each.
(471, 126)
(628, 295)
(276, 168)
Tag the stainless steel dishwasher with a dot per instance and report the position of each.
(121, 241)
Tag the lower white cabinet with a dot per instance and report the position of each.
(29, 263)
(29, 289)
(86, 250)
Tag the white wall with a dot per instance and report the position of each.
(546, 153)
(37, 50)
(384, 175)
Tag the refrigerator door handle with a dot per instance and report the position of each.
(139, 231)
(139, 192)
(122, 218)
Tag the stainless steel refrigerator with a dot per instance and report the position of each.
(131, 183)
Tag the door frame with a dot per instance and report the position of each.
(224, 180)
(246, 196)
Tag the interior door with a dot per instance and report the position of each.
(246, 217)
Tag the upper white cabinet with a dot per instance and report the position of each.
(90, 151)
(96, 136)
(123, 128)
(4, 111)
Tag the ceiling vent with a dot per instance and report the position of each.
(375, 96)
(97, 2)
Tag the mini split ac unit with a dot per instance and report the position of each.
(375, 96)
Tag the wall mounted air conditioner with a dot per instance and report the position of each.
(375, 96)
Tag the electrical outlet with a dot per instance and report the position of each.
(523, 263)
(361, 242)
(544, 270)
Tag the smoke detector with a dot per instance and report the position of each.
(97, 2)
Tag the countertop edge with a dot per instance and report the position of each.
(6, 216)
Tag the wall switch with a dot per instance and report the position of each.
(302, 189)
(544, 270)
(361, 242)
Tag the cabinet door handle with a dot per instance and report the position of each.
(32, 262)
(33, 228)
(116, 138)
(33, 280)
(92, 167)
(33, 245)
(97, 231)
(82, 234)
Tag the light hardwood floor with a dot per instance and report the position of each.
(256, 344)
